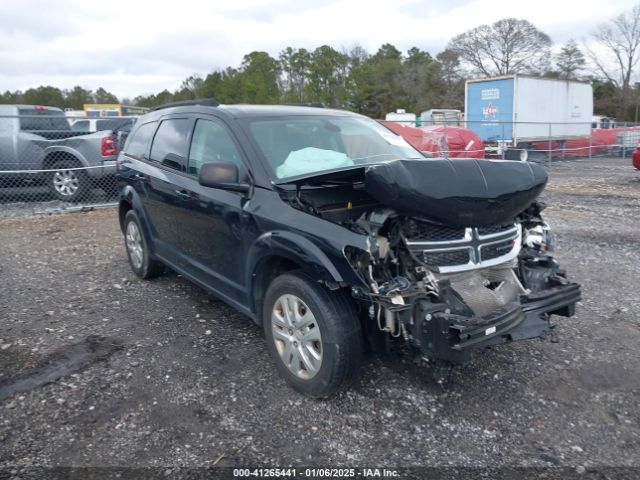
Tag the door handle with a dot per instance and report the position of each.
(183, 194)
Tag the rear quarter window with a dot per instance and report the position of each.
(139, 141)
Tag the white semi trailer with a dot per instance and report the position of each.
(514, 114)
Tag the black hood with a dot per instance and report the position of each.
(459, 192)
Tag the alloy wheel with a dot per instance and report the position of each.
(297, 336)
(134, 245)
(66, 182)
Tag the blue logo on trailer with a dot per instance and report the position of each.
(490, 109)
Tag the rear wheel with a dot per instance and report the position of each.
(68, 182)
(138, 250)
(313, 335)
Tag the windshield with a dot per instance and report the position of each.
(304, 145)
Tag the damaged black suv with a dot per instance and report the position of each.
(334, 234)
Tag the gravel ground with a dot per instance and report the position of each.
(99, 368)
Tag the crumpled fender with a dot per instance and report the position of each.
(296, 248)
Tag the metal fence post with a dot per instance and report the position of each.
(502, 140)
(590, 143)
(549, 145)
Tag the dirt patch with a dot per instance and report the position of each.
(70, 359)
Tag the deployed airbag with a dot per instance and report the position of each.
(457, 192)
(311, 159)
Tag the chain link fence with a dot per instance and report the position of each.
(547, 142)
(527, 141)
(62, 187)
(52, 163)
(49, 162)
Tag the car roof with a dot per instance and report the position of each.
(245, 111)
(251, 111)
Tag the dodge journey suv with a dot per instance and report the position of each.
(335, 235)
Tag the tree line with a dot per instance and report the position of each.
(354, 79)
(377, 83)
(74, 98)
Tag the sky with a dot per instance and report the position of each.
(138, 47)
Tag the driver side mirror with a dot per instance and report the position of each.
(222, 175)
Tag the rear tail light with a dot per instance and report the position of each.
(108, 146)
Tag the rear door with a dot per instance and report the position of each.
(161, 175)
(211, 221)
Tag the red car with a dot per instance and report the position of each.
(636, 158)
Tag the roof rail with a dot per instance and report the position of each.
(204, 102)
(312, 104)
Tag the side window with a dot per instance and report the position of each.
(138, 143)
(171, 138)
(211, 142)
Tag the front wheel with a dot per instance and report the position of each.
(313, 334)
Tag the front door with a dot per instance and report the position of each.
(212, 223)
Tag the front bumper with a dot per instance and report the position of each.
(452, 337)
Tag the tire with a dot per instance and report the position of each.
(137, 248)
(68, 185)
(523, 156)
(333, 333)
(520, 154)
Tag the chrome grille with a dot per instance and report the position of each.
(456, 250)
(424, 231)
(495, 250)
(494, 229)
(454, 257)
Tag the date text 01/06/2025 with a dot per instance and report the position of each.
(315, 473)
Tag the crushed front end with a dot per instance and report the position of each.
(450, 289)
(458, 256)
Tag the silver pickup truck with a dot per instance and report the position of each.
(37, 144)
